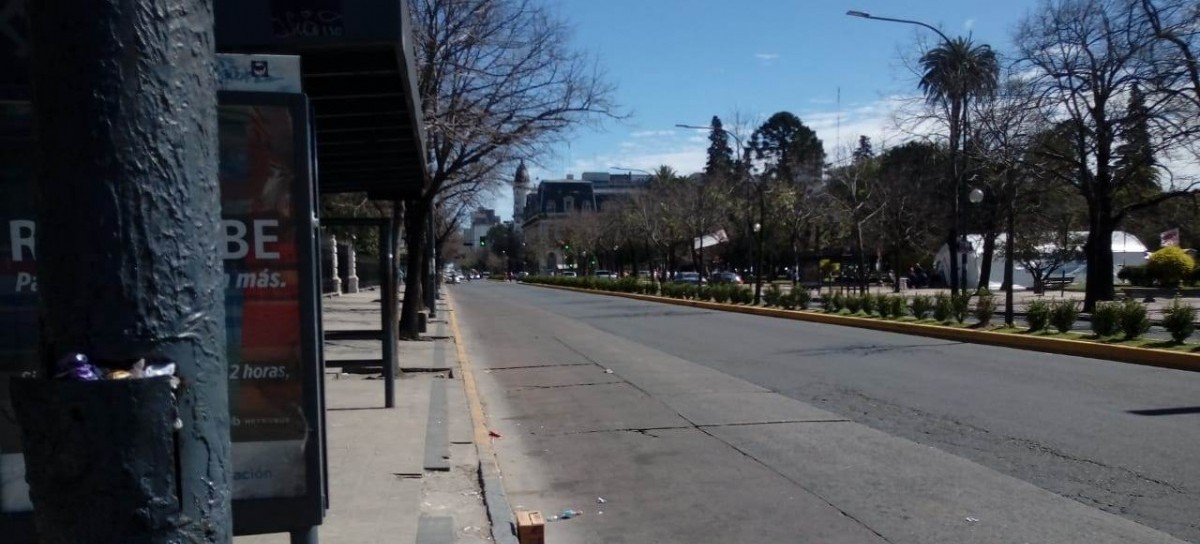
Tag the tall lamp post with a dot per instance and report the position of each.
(957, 236)
(758, 254)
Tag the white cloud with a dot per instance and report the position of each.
(767, 58)
(651, 133)
(969, 24)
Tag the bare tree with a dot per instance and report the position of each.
(498, 82)
(1085, 58)
(853, 189)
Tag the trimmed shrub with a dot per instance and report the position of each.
(922, 305)
(740, 295)
(720, 293)
(898, 306)
(883, 306)
(771, 295)
(854, 303)
(1180, 320)
(1063, 314)
(1106, 319)
(871, 304)
(1170, 266)
(1134, 321)
(942, 308)
(839, 301)
(787, 301)
(960, 305)
(704, 293)
(801, 298)
(1038, 315)
(985, 308)
(1136, 275)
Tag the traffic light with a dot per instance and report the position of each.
(483, 242)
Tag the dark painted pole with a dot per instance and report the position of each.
(387, 274)
(128, 214)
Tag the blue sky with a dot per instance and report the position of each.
(683, 61)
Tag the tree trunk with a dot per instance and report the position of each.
(985, 266)
(429, 268)
(415, 220)
(129, 254)
(1099, 258)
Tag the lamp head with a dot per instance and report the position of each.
(976, 196)
(863, 14)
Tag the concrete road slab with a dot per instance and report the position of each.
(738, 408)
(581, 409)
(911, 493)
(664, 487)
(551, 376)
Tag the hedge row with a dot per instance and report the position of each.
(1127, 318)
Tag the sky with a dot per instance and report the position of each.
(683, 61)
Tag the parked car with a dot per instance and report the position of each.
(692, 278)
(568, 274)
(727, 277)
(605, 274)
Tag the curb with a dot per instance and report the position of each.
(1079, 348)
(499, 512)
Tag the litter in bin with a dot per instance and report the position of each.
(76, 366)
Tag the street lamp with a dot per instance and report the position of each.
(958, 237)
(758, 263)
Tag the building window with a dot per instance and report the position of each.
(551, 207)
(587, 206)
(568, 204)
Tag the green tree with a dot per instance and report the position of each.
(792, 160)
(1085, 57)
(953, 73)
(788, 149)
(719, 165)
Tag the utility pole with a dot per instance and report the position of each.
(129, 260)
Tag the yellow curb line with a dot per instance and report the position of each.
(1079, 348)
(479, 423)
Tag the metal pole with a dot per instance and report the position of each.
(387, 273)
(129, 255)
(304, 536)
(758, 273)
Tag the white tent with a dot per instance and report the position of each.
(1127, 250)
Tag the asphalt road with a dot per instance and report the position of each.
(716, 427)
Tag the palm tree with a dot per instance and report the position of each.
(954, 72)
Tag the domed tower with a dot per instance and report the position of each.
(521, 188)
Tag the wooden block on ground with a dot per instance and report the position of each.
(531, 527)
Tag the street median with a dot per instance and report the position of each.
(1177, 360)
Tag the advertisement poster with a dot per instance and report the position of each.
(262, 241)
(262, 301)
(18, 291)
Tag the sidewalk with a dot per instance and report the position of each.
(405, 475)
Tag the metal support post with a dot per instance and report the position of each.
(387, 279)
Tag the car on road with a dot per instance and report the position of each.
(727, 277)
(692, 278)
